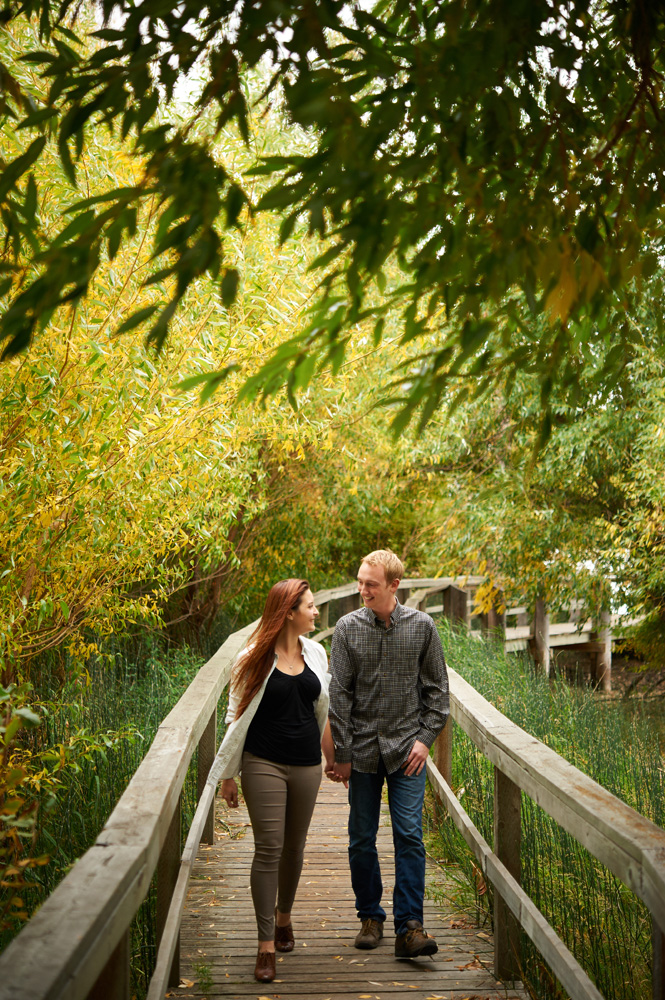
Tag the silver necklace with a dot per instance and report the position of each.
(291, 666)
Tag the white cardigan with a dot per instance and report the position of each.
(227, 762)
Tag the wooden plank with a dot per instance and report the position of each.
(571, 628)
(167, 876)
(628, 843)
(519, 632)
(80, 925)
(204, 760)
(564, 965)
(113, 982)
(103, 891)
(541, 636)
(325, 634)
(219, 928)
(443, 751)
(169, 938)
(73, 952)
(456, 604)
(603, 664)
(507, 846)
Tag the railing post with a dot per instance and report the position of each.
(167, 875)
(443, 752)
(324, 617)
(206, 755)
(541, 636)
(349, 603)
(507, 842)
(603, 666)
(497, 619)
(113, 982)
(456, 604)
(658, 966)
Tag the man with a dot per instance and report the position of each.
(388, 703)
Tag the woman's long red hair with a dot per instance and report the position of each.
(255, 665)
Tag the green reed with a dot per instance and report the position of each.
(602, 922)
(98, 727)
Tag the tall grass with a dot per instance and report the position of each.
(602, 922)
(99, 725)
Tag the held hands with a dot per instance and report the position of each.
(229, 792)
(338, 772)
(417, 759)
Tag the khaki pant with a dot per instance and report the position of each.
(280, 800)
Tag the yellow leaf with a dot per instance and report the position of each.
(560, 300)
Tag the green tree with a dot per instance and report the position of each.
(507, 155)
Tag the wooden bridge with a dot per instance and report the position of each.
(77, 944)
(219, 929)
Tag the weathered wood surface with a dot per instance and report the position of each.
(551, 947)
(219, 930)
(630, 845)
(82, 923)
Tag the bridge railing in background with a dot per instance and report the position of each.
(76, 947)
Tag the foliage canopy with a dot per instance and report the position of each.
(508, 155)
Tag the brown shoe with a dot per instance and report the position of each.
(284, 940)
(414, 942)
(369, 934)
(265, 967)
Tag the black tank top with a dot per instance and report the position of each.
(284, 728)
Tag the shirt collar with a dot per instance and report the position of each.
(394, 617)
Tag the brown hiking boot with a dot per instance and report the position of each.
(414, 942)
(369, 934)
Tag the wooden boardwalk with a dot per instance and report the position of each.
(218, 944)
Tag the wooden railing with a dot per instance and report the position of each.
(77, 944)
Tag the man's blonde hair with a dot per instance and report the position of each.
(393, 567)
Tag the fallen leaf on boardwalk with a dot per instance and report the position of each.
(371, 983)
(186, 983)
(398, 984)
(364, 996)
(481, 934)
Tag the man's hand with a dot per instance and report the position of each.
(342, 772)
(417, 759)
(229, 792)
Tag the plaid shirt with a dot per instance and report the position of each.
(389, 687)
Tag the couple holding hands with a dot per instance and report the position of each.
(375, 716)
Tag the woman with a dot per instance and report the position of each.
(278, 715)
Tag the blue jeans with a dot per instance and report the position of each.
(405, 800)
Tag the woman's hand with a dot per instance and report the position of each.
(230, 792)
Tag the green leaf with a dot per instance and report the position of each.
(18, 167)
(28, 716)
(140, 316)
(229, 286)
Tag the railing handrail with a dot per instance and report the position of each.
(82, 923)
(629, 844)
